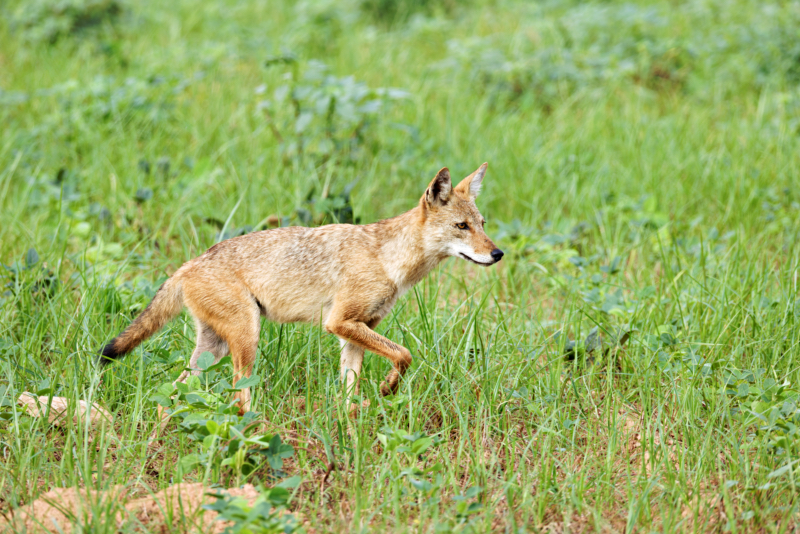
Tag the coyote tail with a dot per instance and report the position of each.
(164, 307)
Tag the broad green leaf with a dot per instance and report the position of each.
(291, 482)
(161, 399)
(205, 361)
(421, 485)
(474, 491)
(196, 400)
(188, 462)
(220, 364)
(32, 257)
(247, 382)
(421, 445)
(782, 470)
(193, 382)
(166, 389)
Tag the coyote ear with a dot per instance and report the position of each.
(471, 185)
(438, 191)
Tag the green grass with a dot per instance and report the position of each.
(643, 173)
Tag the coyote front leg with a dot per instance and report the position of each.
(352, 358)
(361, 335)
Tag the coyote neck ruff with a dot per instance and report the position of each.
(345, 277)
(402, 250)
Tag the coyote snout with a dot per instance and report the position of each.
(349, 276)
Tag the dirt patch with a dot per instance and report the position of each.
(63, 410)
(707, 515)
(178, 508)
(666, 442)
(60, 508)
(181, 506)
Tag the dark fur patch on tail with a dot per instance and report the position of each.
(109, 354)
(164, 307)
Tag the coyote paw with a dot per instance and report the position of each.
(355, 407)
(388, 389)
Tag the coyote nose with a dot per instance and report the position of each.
(497, 254)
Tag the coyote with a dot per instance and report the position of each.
(345, 276)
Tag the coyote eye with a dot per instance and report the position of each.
(462, 226)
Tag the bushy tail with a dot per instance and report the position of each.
(164, 307)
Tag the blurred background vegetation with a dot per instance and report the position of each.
(143, 113)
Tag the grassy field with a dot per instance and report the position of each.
(631, 365)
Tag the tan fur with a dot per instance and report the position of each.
(344, 276)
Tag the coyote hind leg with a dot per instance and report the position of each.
(207, 341)
(240, 327)
(233, 314)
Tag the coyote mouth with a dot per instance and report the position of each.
(476, 261)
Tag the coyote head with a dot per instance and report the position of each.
(453, 224)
